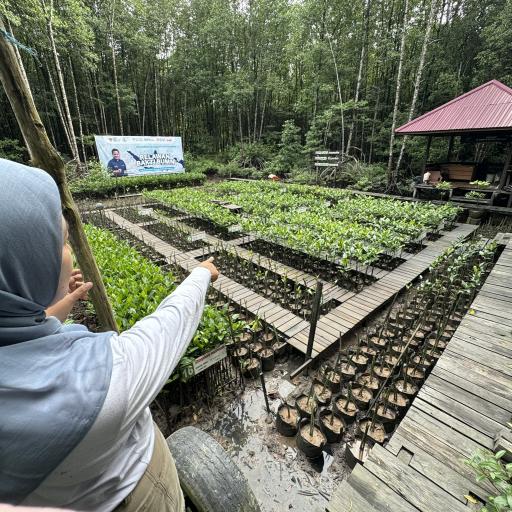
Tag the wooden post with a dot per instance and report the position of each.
(44, 156)
(264, 387)
(503, 176)
(450, 148)
(315, 313)
(427, 151)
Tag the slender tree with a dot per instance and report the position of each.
(44, 156)
(48, 12)
(391, 174)
(419, 73)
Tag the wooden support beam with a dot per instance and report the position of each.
(503, 176)
(427, 151)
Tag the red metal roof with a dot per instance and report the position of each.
(488, 107)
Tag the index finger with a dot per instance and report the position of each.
(210, 259)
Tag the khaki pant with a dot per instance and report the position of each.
(159, 488)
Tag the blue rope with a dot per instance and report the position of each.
(11, 39)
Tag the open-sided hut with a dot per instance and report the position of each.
(477, 124)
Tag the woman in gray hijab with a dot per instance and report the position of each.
(75, 427)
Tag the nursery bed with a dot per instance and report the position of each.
(281, 476)
(354, 308)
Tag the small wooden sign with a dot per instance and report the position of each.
(204, 362)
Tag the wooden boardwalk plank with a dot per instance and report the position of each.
(406, 481)
(364, 491)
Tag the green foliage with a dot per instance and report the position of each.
(99, 184)
(134, 285)
(10, 149)
(206, 166)
(444, 185)
(253, 155)
(490, 467)
(473, 194)
(229, 74)
(328, 223)
(361, 176)
(480, 183)
(195, 201)
(314, 138)
(290, 156)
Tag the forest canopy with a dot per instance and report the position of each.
(268, 74)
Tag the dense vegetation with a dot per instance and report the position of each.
(329, 223)
(135, 287)
(228, 74)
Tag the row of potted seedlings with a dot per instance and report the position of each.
(258, 346)
(257, 349)
(372, 384)
(280, 289)
(350, 279)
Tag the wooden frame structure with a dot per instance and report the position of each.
(482, 115)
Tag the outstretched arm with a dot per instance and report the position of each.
(152, 348)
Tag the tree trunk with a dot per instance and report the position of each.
(360, 72)
(44, 155)
(101, 107)
(144, 104)
(340, 99)
(391, 174)
(18, 55)
(77, 105)
(419, 73)
(59, 108)
(374, 122)
(114, 70)
(156, 105)
(262, 117)
(60, 80)
(93, 106)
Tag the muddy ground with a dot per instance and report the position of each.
(281, 477)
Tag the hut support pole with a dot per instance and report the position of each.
(450, 149)
(427, 151)
(503, 176)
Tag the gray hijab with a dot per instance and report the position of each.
(53, 378)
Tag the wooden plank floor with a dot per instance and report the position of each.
(464, 403)
(285, 322)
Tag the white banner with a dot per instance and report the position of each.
(136, 156)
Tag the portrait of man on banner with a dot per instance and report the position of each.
(116, 166)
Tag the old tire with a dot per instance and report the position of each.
(208, 475)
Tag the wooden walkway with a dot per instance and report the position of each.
(355, 308)
(463, 405)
